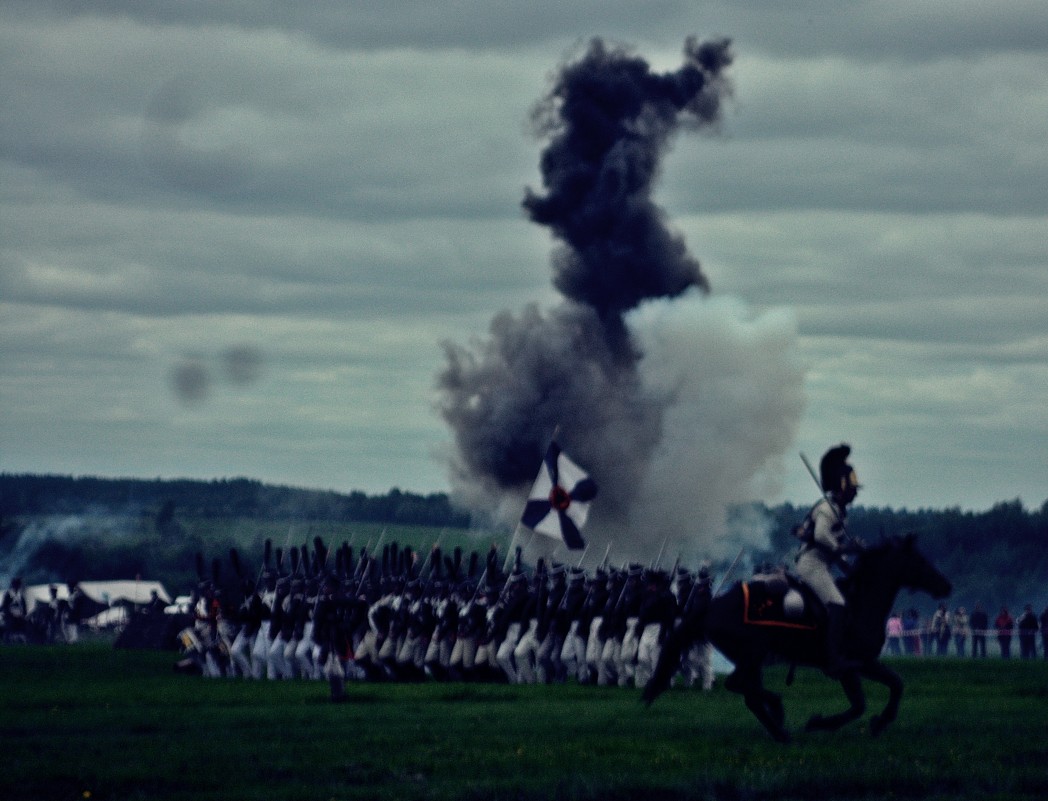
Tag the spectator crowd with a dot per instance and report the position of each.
(963, 633)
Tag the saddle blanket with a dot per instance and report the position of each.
(763, 607)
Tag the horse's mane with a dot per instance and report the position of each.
(869, 556)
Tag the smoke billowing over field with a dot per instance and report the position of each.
(677, 401)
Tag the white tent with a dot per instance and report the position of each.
(104, 592)
(114, 616)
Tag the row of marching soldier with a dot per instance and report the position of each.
(396, 617)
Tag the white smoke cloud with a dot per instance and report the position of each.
(733, 384)
(64, 528)
(35, 534)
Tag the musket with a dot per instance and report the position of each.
(378, 546)
(238, 569)
(604, 561)
(513, 539)
(321, 552)
(509, 550)
(592, 582)
(287, 542)
(365, 566)
(429, 558)
(365, 551)
(507, 583)
(476, 592)
(622, 589)
(267, 551)
(655, 565)
(584, 552)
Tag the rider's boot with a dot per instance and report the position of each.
(836, 664)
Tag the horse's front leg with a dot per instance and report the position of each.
(852, 685)
(767, 707)
(763, 703)
(881, 673)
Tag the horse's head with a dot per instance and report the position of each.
(914, 571)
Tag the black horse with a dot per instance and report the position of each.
(870, 589)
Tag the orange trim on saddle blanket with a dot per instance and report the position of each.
(767, 607)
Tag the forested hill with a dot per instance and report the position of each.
(998, 556)
(222, 498)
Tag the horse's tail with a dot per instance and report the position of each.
(677, 643)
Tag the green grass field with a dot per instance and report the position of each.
(89, 722)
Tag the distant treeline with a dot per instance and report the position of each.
(998, 556)
(221, 498)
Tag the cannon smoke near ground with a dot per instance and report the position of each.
(677, 403)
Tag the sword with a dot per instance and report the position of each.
(730, 570)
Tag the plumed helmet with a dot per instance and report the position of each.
(835, 473)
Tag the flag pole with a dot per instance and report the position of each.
(516, 530)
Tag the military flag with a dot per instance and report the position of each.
(559, 501)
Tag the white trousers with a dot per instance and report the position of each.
(504, 654)
(525, 654)
(648, 650)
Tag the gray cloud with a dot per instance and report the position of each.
(869, 31)
(339, 188)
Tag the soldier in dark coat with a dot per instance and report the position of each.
(657, 613)
(525, 655)
(698, 662)
(515, 610)
(569, 649)
(620, 644)
(416, 623)
(329, 633)
(546, 660)
(588, 626)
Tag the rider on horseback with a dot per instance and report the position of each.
(825, 544)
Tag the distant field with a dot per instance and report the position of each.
(88, 722)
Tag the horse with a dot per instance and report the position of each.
(870, 588)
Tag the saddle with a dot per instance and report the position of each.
(777, 598)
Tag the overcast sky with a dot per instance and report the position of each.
(233, 236)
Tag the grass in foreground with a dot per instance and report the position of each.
(89, 722)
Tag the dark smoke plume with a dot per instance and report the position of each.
(608, 121)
